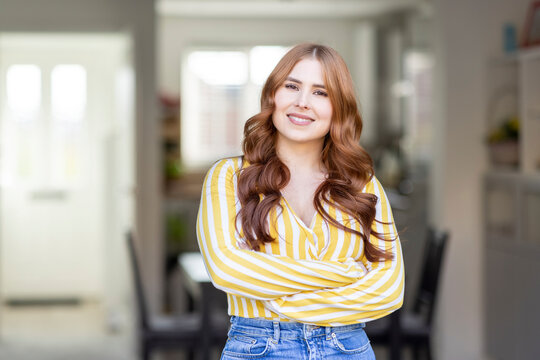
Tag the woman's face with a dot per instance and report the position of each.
(302, 107)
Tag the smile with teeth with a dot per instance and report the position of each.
(300, 120)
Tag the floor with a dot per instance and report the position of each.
(71, 333)
(68, 333)
(61, 332)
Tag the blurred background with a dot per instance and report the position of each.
(112, 111)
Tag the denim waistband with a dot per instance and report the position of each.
(289, 330)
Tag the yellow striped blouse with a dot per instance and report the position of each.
(317, 274)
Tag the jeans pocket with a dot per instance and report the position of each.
(351, 342)
(246, 346)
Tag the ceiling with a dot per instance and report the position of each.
(283, 8)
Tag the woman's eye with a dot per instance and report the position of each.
(320, 92)
(291, 86)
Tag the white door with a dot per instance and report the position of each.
(59, 124)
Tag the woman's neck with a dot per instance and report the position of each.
(300, 157)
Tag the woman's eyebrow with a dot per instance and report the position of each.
(290, 78)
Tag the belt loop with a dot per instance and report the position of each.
(276, 331)
(328, 330)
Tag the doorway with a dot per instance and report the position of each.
(66, 177)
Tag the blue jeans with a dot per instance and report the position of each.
(266, 339)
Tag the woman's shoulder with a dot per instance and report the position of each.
(225, 167)
(372, 186)
(234, 162)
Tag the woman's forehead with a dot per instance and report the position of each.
(308, 70)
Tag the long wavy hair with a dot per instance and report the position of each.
(348, 165)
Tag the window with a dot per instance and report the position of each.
(21, 133)
(68, 93)
(68, 109)
(43, 134)
(220, 91)
(23, 85)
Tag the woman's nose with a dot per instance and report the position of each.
(302, 100)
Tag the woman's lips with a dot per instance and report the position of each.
(299, 119)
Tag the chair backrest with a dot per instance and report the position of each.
(137, 280)
(430, 273)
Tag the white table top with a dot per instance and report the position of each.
(192, 263)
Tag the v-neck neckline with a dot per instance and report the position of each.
(311, 225)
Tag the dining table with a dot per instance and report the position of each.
(205, 298)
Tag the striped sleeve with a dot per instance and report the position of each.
(377, 294)
(240, 271)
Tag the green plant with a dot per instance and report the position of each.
(507, 131)
(176, 232)
(173, 169)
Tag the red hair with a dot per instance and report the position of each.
(349, 166)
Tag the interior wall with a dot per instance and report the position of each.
(467, 34)
(136, 18)
(177, 34)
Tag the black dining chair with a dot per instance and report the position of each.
(168, 332)
(414, 328)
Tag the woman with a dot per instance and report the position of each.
(298, 232)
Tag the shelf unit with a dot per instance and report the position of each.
(513, 85)
(512, 213)
(529, 80)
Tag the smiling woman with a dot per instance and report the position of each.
(303, 110)
(298, 231)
